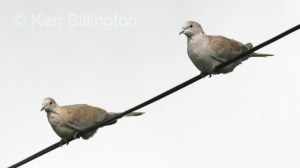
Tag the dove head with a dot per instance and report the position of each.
(191, 28)
(48, 104)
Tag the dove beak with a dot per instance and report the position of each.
(181, 32)
(43, 108)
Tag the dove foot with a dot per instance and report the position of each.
(203, 74)
(76, 135)
(64, 141)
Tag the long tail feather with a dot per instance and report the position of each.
(261, 55)
(248, 46)
(127, 115)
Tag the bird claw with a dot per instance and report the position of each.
(203, 74)
(76, 135)
(64, 141)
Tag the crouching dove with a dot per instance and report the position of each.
(68, 120)
(206, 52)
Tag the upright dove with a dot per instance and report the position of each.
(68, 120)
(206, 51)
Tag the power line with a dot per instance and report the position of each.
(156, 98)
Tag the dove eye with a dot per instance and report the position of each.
(191, 26)
(50, 103)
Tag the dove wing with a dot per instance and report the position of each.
(81, 116)
(224, 49)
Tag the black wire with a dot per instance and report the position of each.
(101, 124)
(36, 155)
(156, 98)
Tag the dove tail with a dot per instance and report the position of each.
(248, 46)
(114, 114)
(260, 55)
(135, 114)
(111, 114)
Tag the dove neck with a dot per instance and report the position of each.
(196, 38)
(53, 116)
(51, 111)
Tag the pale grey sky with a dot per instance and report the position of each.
(117, 54)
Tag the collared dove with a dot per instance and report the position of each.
(206, 52)
(68, 120)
